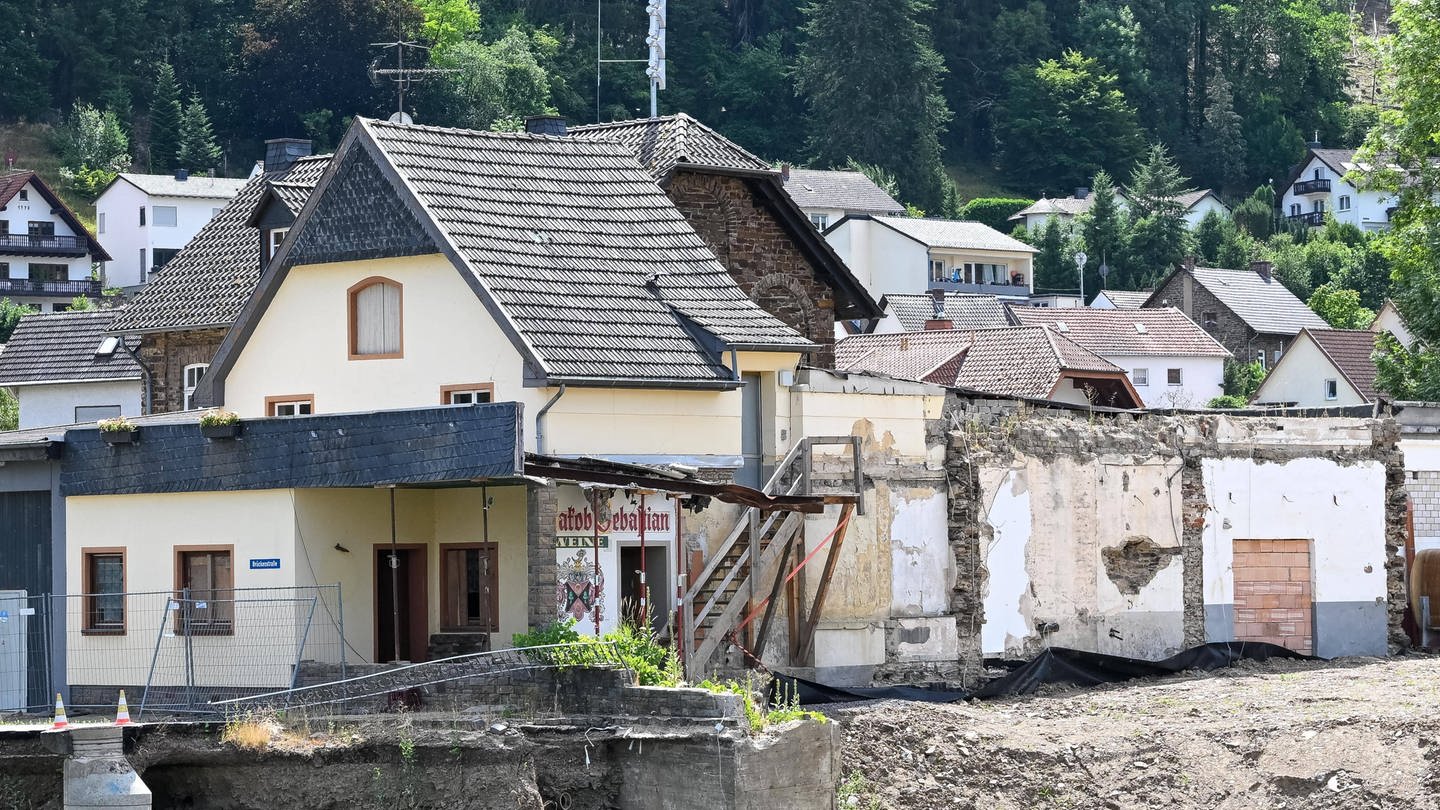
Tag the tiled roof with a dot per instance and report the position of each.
(208, 281)
(1265, 305)
(60, 346)
(1127, 299)
(1351, 350)
(1024, 361)
(844, 190)
(12, 182)
(1191, 198)
(663, 143)
(591, 263)
(165, 185)
(1056, 205)
(955, 233)
(964, 311)
(1126, 332)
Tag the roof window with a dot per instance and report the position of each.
(1140, 327)
(107, 346)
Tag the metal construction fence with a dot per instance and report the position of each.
(173, 651)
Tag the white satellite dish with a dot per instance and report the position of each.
(401, 118)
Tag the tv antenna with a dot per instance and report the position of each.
(402, 76)
(654, 64)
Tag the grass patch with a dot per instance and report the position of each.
(856, 793)
(760, 715)
(250, 731)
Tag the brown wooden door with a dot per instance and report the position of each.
(470, 587)
(410, 593)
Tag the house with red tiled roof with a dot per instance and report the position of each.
(1171, 361)
(1029, 362)
(47, 255)
(1323, 368)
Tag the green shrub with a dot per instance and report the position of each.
(994, 211)
(1227, 401)
(639, 650)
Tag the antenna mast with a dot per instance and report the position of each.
(402, 76)
(654, 65)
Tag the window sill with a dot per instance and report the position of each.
(103, 631)
(394, 356)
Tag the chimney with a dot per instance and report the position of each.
(1261, 269)
(545, 124)
(1314, 143)
(1188, 263)
(785, 172)
(281, 153)
(937, 319)
(1082, 192)
(182, 174)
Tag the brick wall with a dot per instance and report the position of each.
(166, 354)
(1273, 599)
(1424, 489)
(760, 255)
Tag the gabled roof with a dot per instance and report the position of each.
(1070, 206)
(847, 191)
(663, 143)
(1024, 361)
(965, 311)
(576, 252)
(1351, 352)
(62, 347)
(166, 185)
(11, 183)
(1126, 332)
(953, 233)
(212, 277)
(1127, 299)
(1190, 199)
(1264, 304)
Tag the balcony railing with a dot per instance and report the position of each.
(49, 245)
(1312, 218)
(1012, 290)
(1312, 187)
(26, 286)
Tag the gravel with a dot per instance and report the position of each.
(1353, 734)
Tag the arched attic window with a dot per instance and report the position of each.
(376, 320)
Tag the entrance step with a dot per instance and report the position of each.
(447, 645)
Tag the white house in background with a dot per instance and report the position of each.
(1317, 186)
(1196, 204)
(912, 255)
(144, 219)
(1120, 299)
(46, 254)
(1389, 319)
(64, 370)
(829, 196)
(1170, 360)
(1323, 368)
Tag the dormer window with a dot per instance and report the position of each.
(272, 246)
(376, 320)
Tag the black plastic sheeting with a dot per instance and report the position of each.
(1056, 665)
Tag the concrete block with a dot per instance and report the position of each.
(97, 773)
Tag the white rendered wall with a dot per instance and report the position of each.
(1300, 378)
(54, 404)
(1201, 378)
(124, 237)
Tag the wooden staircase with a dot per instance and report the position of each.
(748, 572)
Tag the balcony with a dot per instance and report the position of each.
(25, 286)
(1009, 290)
(19, 244)
(1311, 187)
(1313, 219)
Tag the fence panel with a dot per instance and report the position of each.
(24, 653)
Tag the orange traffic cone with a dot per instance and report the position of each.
(122, 714)
(60, 721)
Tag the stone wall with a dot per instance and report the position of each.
(762, 258)
(166, 354)
(540, 506)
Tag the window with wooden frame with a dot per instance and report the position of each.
(205, 590)
(470, 587)
(376, 320)
(290, 405)
(102, 572)
(467, 394)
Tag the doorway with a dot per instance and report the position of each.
(657, 581)
(470, 588)
(409, 592)
(752, 432)
(1273, 593)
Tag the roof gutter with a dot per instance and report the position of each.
(540, 419)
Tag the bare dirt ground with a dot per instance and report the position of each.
(1353, 733)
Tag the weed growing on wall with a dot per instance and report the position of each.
(639, 649)
(760, 714)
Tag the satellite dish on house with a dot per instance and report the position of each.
(401, 118)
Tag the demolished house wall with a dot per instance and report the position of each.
(1114, 533)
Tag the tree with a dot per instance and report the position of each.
(1340, 307)
(93, 149)
(23, 89)
(1055, 263)
(1158, 237)
(1103, 229)
(1070, 111)
(493, 83)
(1222, 139)
(446, 23)
(81, 304)
(1241, 379)
(198, 151)
(1256, 213)
(871, 78)
(10, 315)
(9, 410)
(165, 117)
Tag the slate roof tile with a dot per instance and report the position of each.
(165, 185)
(1128, 299)
(963, 310)
(57, 346)
(1265, 305)
(665, 142)
(843, 190)
(955, 233)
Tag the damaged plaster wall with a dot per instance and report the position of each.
(1112, 533)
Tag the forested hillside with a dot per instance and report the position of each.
(1047, 91)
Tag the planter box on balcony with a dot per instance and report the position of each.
(229, 431)
(118, 436)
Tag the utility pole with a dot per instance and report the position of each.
(401, 75)
(654, 65)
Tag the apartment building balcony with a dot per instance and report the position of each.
(20, 244)
(1313, 219)
(25, 286)
(1007, 290)
(1311, 187)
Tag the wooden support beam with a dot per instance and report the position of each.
(781, 569)
(807, 631)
